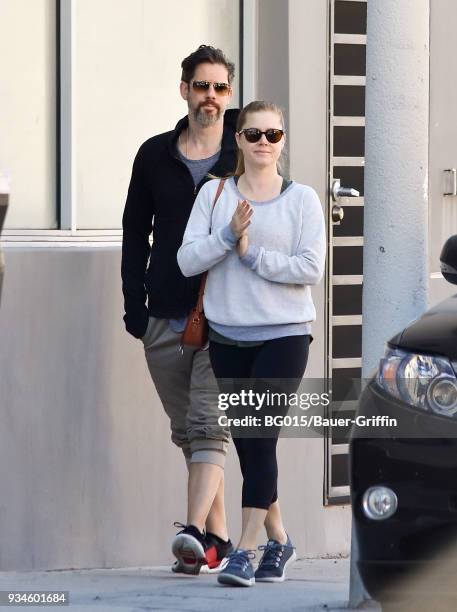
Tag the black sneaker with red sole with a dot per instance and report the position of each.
(187, 548)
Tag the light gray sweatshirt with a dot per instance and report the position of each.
(270, 285)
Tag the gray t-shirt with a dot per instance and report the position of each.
(199, 167)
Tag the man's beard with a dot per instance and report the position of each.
(205, 119)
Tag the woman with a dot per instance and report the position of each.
(263, 245)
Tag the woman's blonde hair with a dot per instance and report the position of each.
(255, 107)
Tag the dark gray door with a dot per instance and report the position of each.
(345, 274)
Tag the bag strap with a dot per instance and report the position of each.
(220, 187)
(201, 291)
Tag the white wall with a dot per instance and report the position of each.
(83, 441)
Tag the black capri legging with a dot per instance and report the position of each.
(280, 358)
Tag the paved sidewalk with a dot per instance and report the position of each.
(313, 584)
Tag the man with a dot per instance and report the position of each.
(168, 171)
(4, 195)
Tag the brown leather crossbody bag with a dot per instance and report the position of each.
(195, 333)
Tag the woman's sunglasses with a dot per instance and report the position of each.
(222, 89)
(254, 134)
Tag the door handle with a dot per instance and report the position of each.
(337, 214)
(342, 192)
(337, 193)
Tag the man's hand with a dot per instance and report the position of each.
(241, 218)
(242, 244)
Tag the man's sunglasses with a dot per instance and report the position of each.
(222, 89)
(254, 134)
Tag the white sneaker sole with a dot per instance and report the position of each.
(283, 577)
(232, 580)
(214, 570)
(189, 553)
(178, 568)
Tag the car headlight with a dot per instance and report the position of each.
(424, 381)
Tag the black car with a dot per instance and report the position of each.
(404, 477)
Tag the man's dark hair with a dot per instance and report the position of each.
(205, 54)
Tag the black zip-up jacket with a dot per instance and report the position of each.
(161, 195)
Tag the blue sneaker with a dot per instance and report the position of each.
(239, 570)
(275, 560)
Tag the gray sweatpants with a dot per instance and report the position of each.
(188, 391)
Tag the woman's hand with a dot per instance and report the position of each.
(241, 218)
(242, 244)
